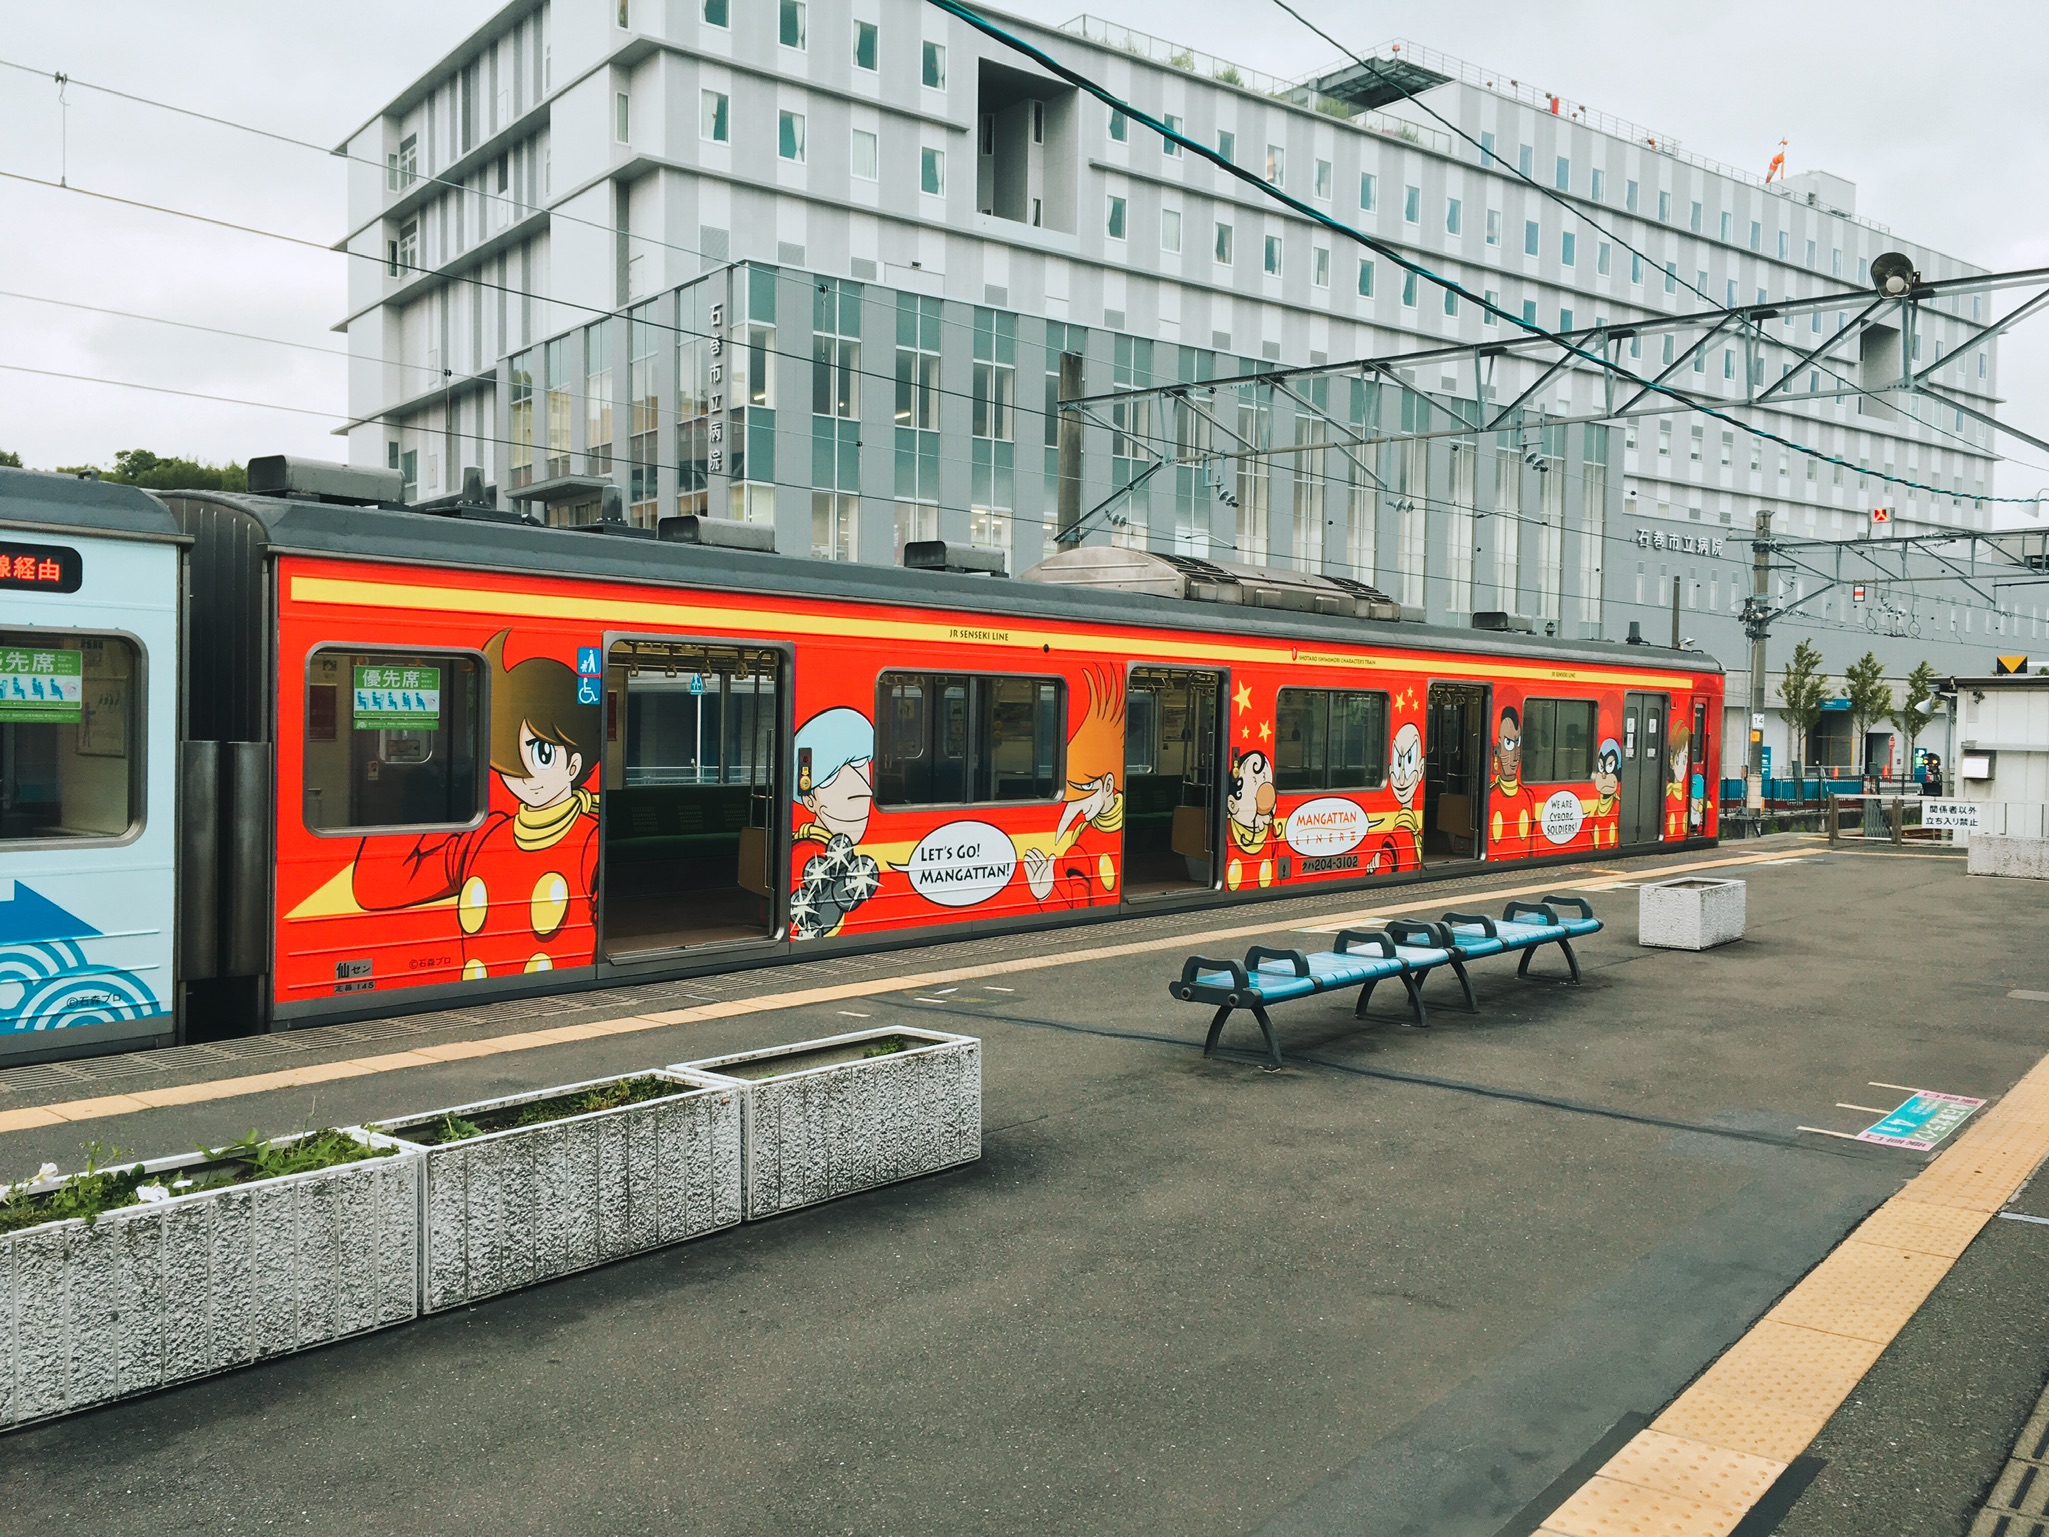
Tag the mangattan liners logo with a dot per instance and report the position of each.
(961, 864)
(1562, 818)
(1327, 825)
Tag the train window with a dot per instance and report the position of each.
(1558, 740)
(70, 735)
(1329, 739)
(392, 740)
(951, 739)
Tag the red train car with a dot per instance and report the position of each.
(508, 759)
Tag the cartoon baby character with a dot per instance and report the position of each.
(1249, 804)
(1402, 848)
(1514, 808)
(1607, 778)
(836, 791)
(524, 881)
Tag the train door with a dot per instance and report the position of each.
(1454, 772)
(690, 838)
(1171, 807)
(1643, 767)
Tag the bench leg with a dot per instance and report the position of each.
(1273, 1046)
(1570, 959)
(1365, 997)
(1216, 1028)
(1565, 945)
(1459, 970)
(1415, 998)
(1529, 955)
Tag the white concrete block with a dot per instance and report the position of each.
(1692, 913)
(161, 1293)
(510, 1208)
(2024, 858)
(822, 1119)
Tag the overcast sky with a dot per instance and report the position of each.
(1937, 115)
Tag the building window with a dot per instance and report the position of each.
(932, 172)
(1564, 319)
(1450, 301)
(934, 66)
(392, 740)
(1694, 217)
(863, 157)
(1568, 248)
(1486, 147)
(1408, 290)
(1120, 125)
(836, 352)
(1756, 235)
(1728, 226)
(714, 122)
(1319, 266)
(409, 475)
(1223, 245)
(1664, 440)
(1328, 739)
(1170, 229)
(1412, 205)
(715, 13)
(521, 400)
(405, 251)
(1494, 226)
(789, 143)
(1671, 277)
(1600, 185)
(1454, 216)
(402, 168)
(867, 41)
(1531, 237)
(1636, 269)
(1170, 146)
(1630, 193)
(597, 398)
(995, 386)
(1114, 224)
(1272, 261)
(917, 400)
(1366, 277)
(950, 740)
(1325, 180)
(1530, 313)
(1785, 244)
(791, 30)
(1693, 453)
(1664, 208)
(1526, 161)
(556, 358)
(1227, 145)
(622, 124)
(1604, 255)
(1487, 313)
(1276, 164)
(1564, 180)
(1369, 191)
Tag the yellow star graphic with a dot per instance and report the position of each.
(1265, 731)
(1243, 697)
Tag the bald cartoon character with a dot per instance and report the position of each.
(1402, 848)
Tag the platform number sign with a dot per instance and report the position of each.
(45, 686)
(40, 568)
(590, 674)
(397, 698)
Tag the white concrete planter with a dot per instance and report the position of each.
(1692, 913)
(824, 1119)
(510, 1208)
(1994, 854)
(161, 1293)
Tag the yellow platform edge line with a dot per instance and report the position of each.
(1962, 1188)
(101, 1107)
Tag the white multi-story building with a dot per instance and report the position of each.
(814, 263)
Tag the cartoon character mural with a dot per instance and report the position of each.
(1402, 848)
(835, 795)
(1678, 748)
(1604, 815)
(524, 880)
(1514, 809)
(1249, 815)
(1073, 863)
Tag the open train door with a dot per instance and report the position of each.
(1454, 772)
(1172, 779)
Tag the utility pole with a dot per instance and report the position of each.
(1068, 443)
(1757, 624)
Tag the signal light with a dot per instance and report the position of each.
(1881, 514)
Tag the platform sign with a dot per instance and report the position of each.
(47, 686)
(1922, 1121)
(1962, 816)
(397, 699)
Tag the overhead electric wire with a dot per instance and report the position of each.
(1393, 254)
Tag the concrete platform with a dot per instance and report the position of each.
(1407, 1285)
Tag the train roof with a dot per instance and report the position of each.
(39, 502)
(476, 544)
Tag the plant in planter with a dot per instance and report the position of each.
(121, 1279)
(521, 1189)
(827, 1118)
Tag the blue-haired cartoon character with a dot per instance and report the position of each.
(835, 792)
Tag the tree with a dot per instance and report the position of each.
(1803, 691)
(1912, 716)
(10, 458)
(153, 472)
(1870, 699)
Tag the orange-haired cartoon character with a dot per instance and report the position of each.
(1095, 753)
(1514, 808)
(524, 881)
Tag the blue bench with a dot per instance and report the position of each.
(1268, 976)
(1522, 926)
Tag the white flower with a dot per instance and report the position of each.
(148, 1193)
(47, 1171)
(181, 1184)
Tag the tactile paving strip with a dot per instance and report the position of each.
(2018, 1505)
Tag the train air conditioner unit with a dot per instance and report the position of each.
(1198, 580)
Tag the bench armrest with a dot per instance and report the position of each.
(1480, 920)
(1370, 938)
(1536, 910)
(1196, 965)
(1411, 931)
(1584, 907)
(1259, 953)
